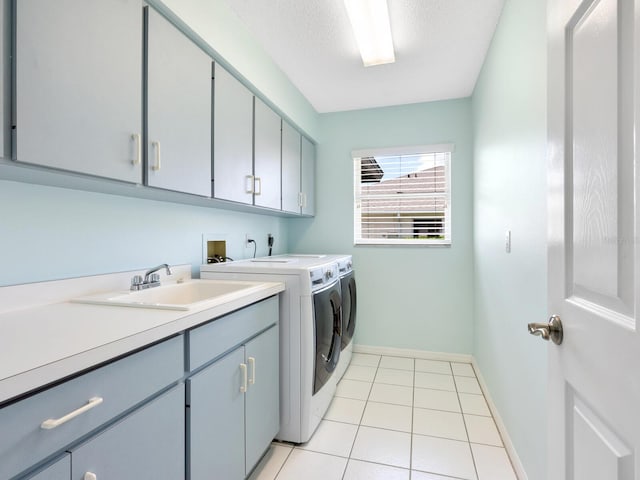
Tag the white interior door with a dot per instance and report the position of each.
(594, 375)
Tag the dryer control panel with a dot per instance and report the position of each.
(323, 276)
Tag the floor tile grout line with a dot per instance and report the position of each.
(283, 463)
(473, 458)
(360, 423)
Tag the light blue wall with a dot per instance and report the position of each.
(49, 233)
(509, 117)
(411, 297)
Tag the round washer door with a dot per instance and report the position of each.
(349, 305)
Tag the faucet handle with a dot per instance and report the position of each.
(136, 280)
(154, 277)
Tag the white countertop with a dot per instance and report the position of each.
(41, 344)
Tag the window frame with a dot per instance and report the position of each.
(356, 157)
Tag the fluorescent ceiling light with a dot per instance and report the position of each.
(370, 23)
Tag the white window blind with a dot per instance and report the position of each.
(403, 198)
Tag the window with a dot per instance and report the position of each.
(402, 196)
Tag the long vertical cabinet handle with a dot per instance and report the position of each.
(156, 145)
(243, 370)
(300, 197)
(138, 149)
(257, 185)
(250, 184)
(252, 365)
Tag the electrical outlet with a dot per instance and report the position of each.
(247, 237)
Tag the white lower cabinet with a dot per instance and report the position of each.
(233, 408)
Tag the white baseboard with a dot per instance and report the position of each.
(461, 358)
(406, 352)
(506, 439)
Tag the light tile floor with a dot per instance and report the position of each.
(396, 418)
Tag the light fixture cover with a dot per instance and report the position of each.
(370, 23)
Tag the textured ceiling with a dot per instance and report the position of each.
(440, 47)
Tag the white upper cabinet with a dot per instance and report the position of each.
(308, 170)
(79, 86)
(291, 194)
(266, 156)
(232, 139)
(179, 110)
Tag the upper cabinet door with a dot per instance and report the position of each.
(308, 174)
(266, 155)
(232, 139)
(179, 110)
(291, 192)
(79, 86)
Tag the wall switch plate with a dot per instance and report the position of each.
(507, 241)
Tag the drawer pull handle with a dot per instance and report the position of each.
(243, 369)
(252, 364)
(56, 422)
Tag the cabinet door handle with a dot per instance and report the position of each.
(257, 186)
(156, 145)
(243, 370)
(250, 184)
(90, 476)
(300, 194)
(252, 364)
(304, 200)
(56, 422)
(138, 149)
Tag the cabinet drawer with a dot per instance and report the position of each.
(147, 444)
(60, 470)
(120, 385)
(213, 339)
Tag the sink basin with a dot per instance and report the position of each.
(175, 296)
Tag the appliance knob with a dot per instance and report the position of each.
(328, 275)
(349, 265)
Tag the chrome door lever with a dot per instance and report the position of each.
(548, 331)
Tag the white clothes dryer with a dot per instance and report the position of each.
(310, 327)
(349, 310)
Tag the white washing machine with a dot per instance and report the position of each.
(310, 327)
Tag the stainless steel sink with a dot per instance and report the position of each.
(176, 296)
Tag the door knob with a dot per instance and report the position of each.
(548, 331)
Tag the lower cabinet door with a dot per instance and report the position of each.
(149, 443)
(215, 412)
(60, 470)
(262, 407)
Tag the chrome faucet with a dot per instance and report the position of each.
(151, 279)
